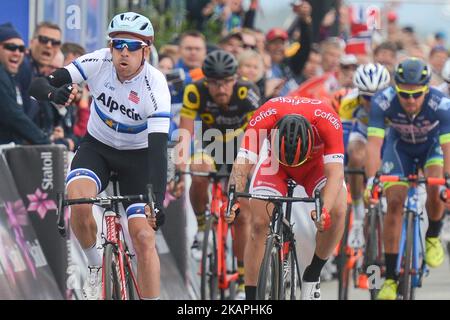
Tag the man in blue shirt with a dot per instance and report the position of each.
(15, 126)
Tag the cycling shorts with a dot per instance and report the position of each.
(131, 166)
(399, 156)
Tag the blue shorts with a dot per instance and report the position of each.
(399, 157)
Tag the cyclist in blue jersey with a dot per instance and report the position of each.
(419, 120)
(127, 133)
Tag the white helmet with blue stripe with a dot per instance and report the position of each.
(132, 23)
(370, 78)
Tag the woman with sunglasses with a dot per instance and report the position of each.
(419, 121)
(127, 133)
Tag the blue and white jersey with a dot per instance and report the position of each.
(432, 121)
(123, 114)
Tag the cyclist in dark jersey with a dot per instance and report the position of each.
(221, 104)
(419, 120)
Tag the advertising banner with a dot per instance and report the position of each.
(24, 271)
(38, 172)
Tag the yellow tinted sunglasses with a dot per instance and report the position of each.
(406, 94)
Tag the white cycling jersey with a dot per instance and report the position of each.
(122, 114)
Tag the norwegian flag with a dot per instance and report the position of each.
(359, 44)
(133, 97)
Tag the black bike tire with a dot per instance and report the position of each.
(230, 256)
(373, 250)
(294, 273)
(130, 287)
(270, 265)
(406, 277)
(112, 282)
(342, 258)
(208, 266)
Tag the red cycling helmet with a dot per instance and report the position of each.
(293, 140)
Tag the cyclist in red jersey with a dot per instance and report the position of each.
(307, 146)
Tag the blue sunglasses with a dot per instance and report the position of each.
(130, 44)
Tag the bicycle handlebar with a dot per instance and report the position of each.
(412, 179)
(104, 202)
(277, 199)
(210, 174)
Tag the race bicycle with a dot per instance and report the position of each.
(279, 276)
(218, 268)
(411, 265)
(118, 278)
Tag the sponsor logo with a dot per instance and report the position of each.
(262, 115)
(47, 171)
(113, 106)
(387, 167)
(109, 86)
(296, 101)
(328, 116)
(96, 60)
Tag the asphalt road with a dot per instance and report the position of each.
(436, 286)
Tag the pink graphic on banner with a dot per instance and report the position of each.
(16, 213)
(40, 204)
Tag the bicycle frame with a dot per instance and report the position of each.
(114, 231)
(412, 208)
(113, 236)
(418, 245)
(222, 229)
(281, 235)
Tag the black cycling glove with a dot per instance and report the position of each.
(61, 95)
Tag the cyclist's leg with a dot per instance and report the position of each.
(261, 211)
(312, 178)
(198, 192)
(89, 175)
(357, 155)
(435, 207)
(395, 162)
(133, 180)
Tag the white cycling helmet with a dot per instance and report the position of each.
(371, 77)
(132, 23)
(446, 71)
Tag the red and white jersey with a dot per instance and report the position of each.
(328, 135)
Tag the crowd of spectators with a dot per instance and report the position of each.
(280, 61)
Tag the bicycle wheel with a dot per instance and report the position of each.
(406, 289)
(269, 277)
(231, 267)
(291, 280)
(132, 293)
(111, 273)
(373, 254)
(209, 284)
(342, 258)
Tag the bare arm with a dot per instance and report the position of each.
(334, 172)
(373, 162)
(240, 173)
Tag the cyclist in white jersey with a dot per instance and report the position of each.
(127, 133)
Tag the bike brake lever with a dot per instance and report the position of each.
(60, 222)
(231, 198)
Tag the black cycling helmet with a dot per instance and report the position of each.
(219, 64)
(412, 71)
(293, 141)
